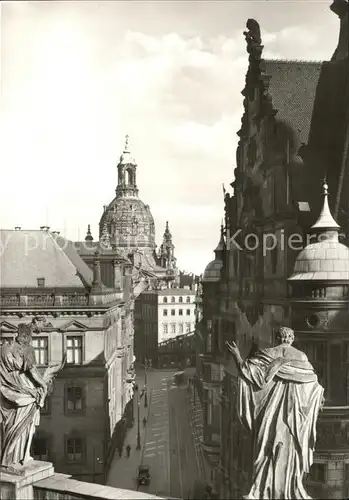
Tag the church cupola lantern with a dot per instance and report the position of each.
(127, 167)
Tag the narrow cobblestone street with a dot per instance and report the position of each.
(168, 442)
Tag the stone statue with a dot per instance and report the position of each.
(22, 393)
(278, 403)
(253, 35)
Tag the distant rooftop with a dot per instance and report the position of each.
(173, 291)
(29, 255)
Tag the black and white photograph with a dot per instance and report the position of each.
(174, 249)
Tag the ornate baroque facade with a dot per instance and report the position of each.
(294, 132)
(85, 417)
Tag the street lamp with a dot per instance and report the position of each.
(145, 383)
(138, 447)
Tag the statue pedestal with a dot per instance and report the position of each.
(17, 482)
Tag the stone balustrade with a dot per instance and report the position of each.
(61, 487)
(50, 299)
(38, 481)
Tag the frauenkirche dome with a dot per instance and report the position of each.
(127, 220)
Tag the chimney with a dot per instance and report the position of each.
(17, 228)
(117, 275)
(341, 8)
(44, 228)
(97, 283)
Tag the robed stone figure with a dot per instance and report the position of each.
(22, 393)
(279, 398)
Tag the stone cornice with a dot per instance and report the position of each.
(326, 304)
(61, 311)
(333, 456)
(86, 371)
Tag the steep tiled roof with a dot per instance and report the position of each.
(293, 89)
(29, 255)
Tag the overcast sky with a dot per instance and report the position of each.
(77, 77)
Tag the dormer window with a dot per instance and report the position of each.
(41, 282)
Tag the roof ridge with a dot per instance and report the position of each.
(298, 61)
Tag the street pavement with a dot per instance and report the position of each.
(123, 471)
(167, 441)
(156, 448)
(183, 460)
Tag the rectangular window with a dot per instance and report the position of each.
(274, 259)
(187, 327)
(74, 449)
(41, 282)
(40, 449)
(165, 329)
(173, 312)
(74, 350)
(318, 473)
(188, 300)
(180, 312)
(165, 312)
(209, 410)
(188, 312)
(173, 327)
(74, 399)
(180, 328)
(40, 346)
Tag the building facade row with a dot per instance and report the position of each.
(289, 141)
(93, 325)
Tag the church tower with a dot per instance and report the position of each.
(166, 258)
(166, 253)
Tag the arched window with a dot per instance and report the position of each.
(165, 300)
(173, 299)
(188, 299)
(180, 299)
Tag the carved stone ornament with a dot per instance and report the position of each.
(22, 393)
(280, 416)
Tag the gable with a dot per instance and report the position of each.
(73, 326)
(6, 327)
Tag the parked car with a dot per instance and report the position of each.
(179, 378)
(143, 475)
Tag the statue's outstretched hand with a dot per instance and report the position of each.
(233, 348)
(40, 396)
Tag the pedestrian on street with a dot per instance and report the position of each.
(144, 421)
(128, 450)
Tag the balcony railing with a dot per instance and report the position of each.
(51, 299)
